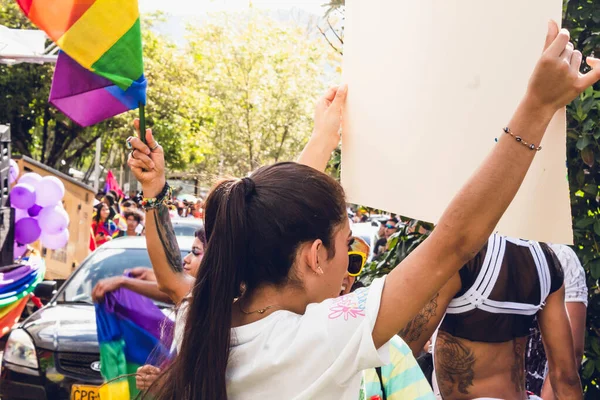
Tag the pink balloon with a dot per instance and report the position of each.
(27, 230)
(13, 172)
(57, 241)
(53, 219)
(50, 190)
(22, 196)
(19, 250)
(31, 178)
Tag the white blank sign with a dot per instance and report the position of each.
(431, 85)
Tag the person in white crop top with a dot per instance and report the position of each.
(263, 322)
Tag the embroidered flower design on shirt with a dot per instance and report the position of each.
(352, 305)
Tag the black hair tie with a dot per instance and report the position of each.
(249, 187)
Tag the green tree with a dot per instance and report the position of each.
(262, 78)
(42, 132)
(582, 18)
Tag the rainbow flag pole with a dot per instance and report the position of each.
(142, 123)
(100, 71)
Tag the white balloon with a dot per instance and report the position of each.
(57, 241)
(13, 172)
(53, 219)
(49, 191)
(31, 178)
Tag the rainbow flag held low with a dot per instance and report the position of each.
(16, 286)
(132, 331)
(100, 71)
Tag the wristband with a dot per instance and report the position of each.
(163, 197)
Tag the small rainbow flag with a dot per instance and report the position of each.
(99, 72)
(16, 286)
(132, 331)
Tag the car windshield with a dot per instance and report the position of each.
(104, 263)
(185, 230)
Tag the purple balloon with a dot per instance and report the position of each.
(31, 178)
(50, 190)
(13, 172)
(19, 250)
(57, 241)
(34, 210)
(22, 196)
(27, 230)
(53, 219)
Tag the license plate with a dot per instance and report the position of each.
(82, 392)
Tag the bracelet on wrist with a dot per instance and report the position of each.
(149, 203)
(519, 139)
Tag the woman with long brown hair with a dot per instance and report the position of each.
(282, 235)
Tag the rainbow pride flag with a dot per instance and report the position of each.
(16, 285)
(99, 72)
(132, 331)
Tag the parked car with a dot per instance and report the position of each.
(186, 226)
(54, 353)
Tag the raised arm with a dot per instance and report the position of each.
(558, 343)
(148, 167)
(476, 209)
(326, 131)
(420, 329)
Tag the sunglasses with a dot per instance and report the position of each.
(356, 262)
(388, 226)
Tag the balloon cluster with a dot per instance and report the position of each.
(39, 213)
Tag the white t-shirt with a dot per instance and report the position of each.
(576, 290)
(318, 355)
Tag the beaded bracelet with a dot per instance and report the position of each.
(519, 139)
(162, 198)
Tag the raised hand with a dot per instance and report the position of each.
(326, 133)
(556, 80)
(147, 162)
(328, 116)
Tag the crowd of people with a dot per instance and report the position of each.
(268, 306)
(116, 215)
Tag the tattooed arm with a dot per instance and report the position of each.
(166, 256)
(148, 166)
(419, 330)
(558, 343)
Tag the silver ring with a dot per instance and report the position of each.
(155, 147)
(132, 152)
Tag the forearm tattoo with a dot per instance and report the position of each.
(414, 329)
(518, 369)
(454, 364)
(166, 234)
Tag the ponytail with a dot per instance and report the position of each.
(199, 370)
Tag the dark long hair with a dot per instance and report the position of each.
(97, 217)
(254, 228)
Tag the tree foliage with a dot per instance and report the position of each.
(261, 78)
(240, 95)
